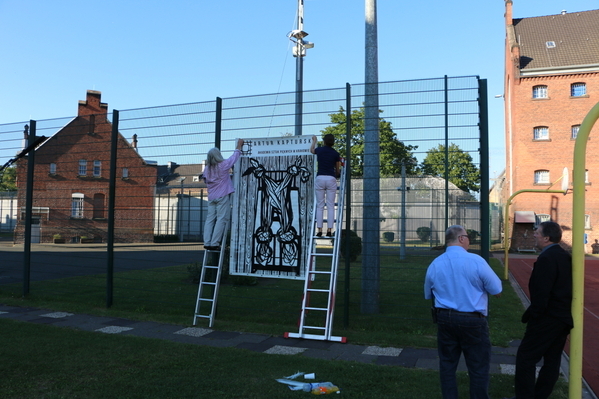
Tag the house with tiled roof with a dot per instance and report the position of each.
(551, 83)
(180, 204)
(71, 183)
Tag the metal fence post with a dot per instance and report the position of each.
(446, 174)
(485, 243)
(347, 171)
(218, 120)
(111, 205)
(28, 208)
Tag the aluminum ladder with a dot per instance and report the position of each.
(318, 301)
(212, 266)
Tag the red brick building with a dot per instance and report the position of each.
(71, 183)
(551, 83)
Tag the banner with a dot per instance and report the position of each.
(273, 208)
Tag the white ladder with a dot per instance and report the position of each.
(210, 282)
(318, 302)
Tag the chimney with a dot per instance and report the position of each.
(171, 167)
(92, 105)
(134, 142)
(508, 13)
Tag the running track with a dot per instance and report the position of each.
(521, 267)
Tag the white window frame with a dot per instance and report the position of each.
(125, 173)
(541, 133)
(587, 222)
(578, 89)
(77, 205)
(82, 167)
(574, 130)
(97, 168)
(539, 91)
(542, 176)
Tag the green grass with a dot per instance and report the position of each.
(272, 305)
(40, 361)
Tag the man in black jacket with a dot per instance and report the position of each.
(548, 318)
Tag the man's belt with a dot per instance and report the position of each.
(468, 314)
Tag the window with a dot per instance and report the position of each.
(77, 205)
(125, 173)
(99, 206)
(586, 176)
(97, 168)
(541, 133)
(587, 222)
(578, 89)
(575, 129)
(82, 167)
(541, 177)
(539, 91)
(52, 168)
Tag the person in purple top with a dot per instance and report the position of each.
(219, 184)
(326, 181)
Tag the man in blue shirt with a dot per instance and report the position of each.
(460, 283)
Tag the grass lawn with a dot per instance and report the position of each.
(40, 361)
(271, 306)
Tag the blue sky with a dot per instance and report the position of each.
(153, 52)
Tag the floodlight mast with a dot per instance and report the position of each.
(299, 51)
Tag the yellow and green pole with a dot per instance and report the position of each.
(578, 210)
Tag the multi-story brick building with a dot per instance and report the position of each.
(71, 183)
(551, 83)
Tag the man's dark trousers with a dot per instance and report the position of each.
(458, 334)
(545, 338)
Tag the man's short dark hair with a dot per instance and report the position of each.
(329, 139)
(551, 230)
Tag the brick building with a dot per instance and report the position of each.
(71, 183)
(551, 83)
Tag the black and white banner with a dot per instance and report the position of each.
(273, 208)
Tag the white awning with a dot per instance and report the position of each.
(525, 217)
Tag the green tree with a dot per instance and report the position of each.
(462, 172)
(8, 179)
(392, 151)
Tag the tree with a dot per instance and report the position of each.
(8, 178)
(392, 151)
(461, 171)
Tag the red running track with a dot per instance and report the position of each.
(521, 267)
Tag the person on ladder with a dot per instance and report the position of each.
(325, 183)
(220, 187)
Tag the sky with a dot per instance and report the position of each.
(146, 53)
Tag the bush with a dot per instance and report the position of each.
(472, 235)
(166, 238)
(388, 236)
(355, 245)
(424, 233)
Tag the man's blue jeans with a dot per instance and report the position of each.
(459, 334)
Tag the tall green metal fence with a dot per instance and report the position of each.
(111, 205)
